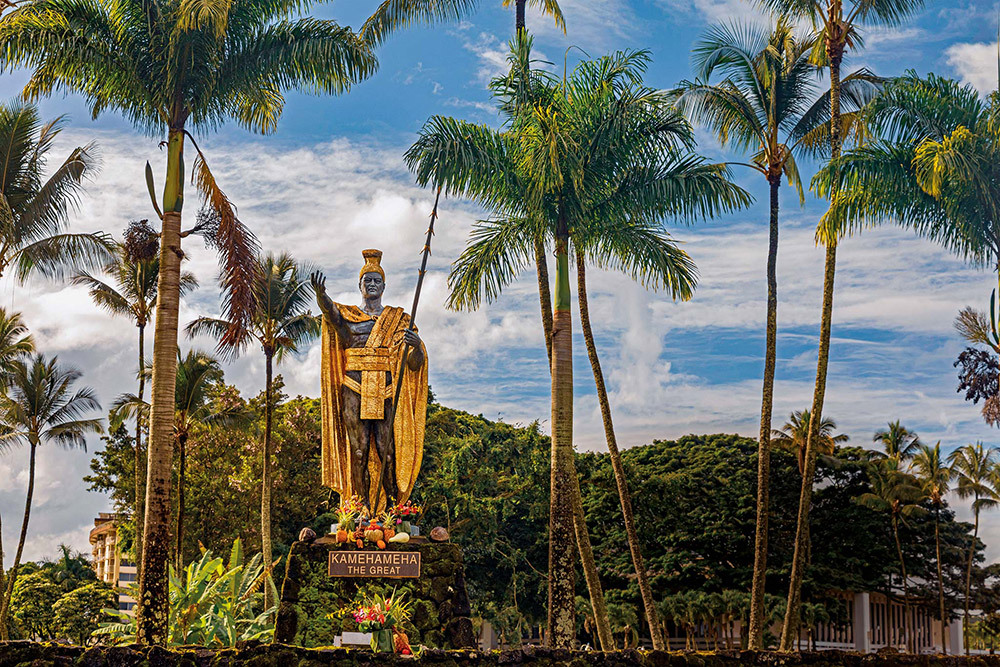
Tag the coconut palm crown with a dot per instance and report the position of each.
(34, 210)
(793, 433)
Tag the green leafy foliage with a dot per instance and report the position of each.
(212, 603)
(78, 613)
(32, 605)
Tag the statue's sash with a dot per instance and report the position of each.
(373, 361)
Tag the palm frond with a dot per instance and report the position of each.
(104, 295)
(393, 15)
(46, 212)
(646, 254)
(497, 252)
(238, 257)
(56, 256)
(208, 326)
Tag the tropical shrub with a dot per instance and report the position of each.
(212, 604)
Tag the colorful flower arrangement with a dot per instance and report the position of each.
(351, 512)
(405, 512)
(355, 525)
(383, 617)
(403, 515)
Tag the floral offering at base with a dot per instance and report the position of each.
(382, 617)
(403, 516)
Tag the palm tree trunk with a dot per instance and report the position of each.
(800, 556)
(581, 533)
(265, 492)
(153, 605)
(791, 624)
(181, 474)
(139, 461)
(561, 589)
(594, 588)
(906, 589)
(968, 571)
(940, 578)
(764, 444)
(544, 295)
(12, 574)
(519, 24)
(624, 495)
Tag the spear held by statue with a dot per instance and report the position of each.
(401, 368)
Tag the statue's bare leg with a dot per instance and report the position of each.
(359, 436)
(385, 444)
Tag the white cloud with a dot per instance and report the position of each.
(975, 64)
(484, 107)
(716, 11)
(491, 53)
(590, 25)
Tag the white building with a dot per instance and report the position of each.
(109, 565)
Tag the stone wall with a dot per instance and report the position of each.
(309, 596)
(26, 654)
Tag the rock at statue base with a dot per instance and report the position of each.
(439, 534)
(307, 534)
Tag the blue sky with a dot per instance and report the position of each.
(331, 182)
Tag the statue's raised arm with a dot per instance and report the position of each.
(326, 305)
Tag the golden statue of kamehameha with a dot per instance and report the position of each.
(362, 350)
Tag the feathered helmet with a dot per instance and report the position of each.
(372, 263)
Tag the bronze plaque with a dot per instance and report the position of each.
(388, 564)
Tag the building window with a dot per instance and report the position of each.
(125, 577)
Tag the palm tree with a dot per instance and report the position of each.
(934, 167)
(519, 92)
(618, 167)
(899, 442)
(935, 478)
(15, 344)
(838, 26)
(169, 66)
(40, 406)
(133, 295)
(765, 105)
(281, 323)
(640, 250)
(34, 210)
(623, 619)
(898, 494)
(793, 434)
(975, 469)
(197, 372)
(812, 616)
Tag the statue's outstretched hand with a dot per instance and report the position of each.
(318, 281)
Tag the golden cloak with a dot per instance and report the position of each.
(410, 417)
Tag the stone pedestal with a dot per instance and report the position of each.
(309, 596)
